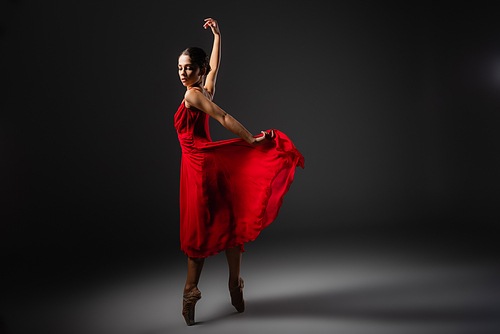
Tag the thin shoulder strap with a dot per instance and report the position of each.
(194, 88)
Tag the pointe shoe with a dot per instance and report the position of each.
(188, 302)
(237, 297)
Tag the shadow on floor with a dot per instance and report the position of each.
(450, 300)
(455, 301)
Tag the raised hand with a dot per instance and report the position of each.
(212, 24)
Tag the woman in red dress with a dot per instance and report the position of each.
(230, 190)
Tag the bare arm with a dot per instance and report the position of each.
(194, 98)
(214, 57)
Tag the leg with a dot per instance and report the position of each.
(191, 293)
(195, 265)
(233, 256)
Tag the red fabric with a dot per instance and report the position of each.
(229, 190)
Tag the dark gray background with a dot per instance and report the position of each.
(395, 109)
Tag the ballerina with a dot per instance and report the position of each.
(229, 190)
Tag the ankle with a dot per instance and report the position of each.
(234, 282)
(190, 288)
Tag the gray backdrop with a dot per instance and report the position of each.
(395, 110)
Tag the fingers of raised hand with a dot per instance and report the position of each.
(210, 23)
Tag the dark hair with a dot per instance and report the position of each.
(198, 56)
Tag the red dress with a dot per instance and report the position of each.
(229, 190)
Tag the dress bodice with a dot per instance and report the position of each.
(192, 127)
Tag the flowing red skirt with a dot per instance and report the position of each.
(229, 190)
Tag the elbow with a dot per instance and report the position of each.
(223, 119)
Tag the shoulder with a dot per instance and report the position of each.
(194, 97)
(192, 93)
(191, 98)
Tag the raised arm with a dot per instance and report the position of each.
(194, 98)
(214, 57)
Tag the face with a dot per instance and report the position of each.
(189, 72)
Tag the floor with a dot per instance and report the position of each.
(323, 288)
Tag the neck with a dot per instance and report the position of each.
(196, 85)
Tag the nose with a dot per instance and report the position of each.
(183, 72)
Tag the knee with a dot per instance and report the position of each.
(196, 260)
